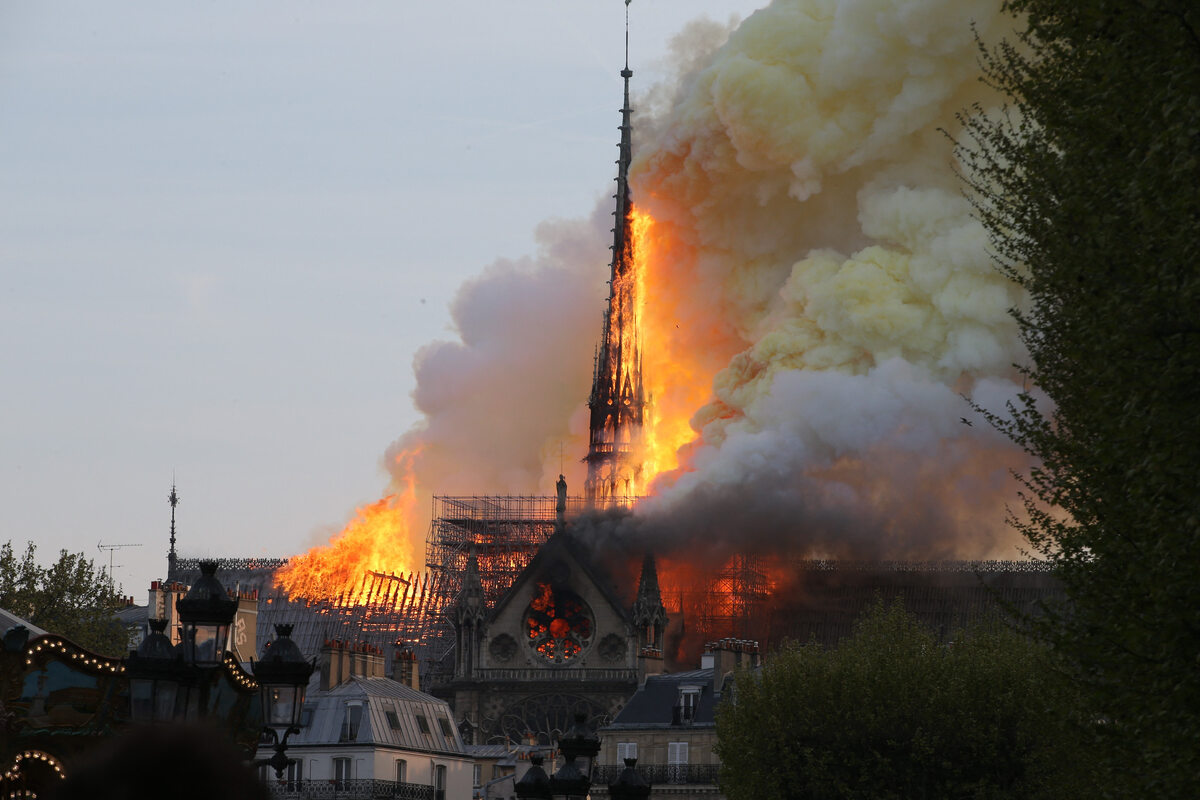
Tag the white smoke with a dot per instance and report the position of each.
(500, 400)
(811, 199)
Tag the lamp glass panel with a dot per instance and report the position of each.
(281, 705)
(206, 646)
(141, 699)
(164, 700)
(152, 699)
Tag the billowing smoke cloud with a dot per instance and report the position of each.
(817, 281)
(810, 201)
(500, 401)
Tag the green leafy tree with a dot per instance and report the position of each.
(893, 713)
(1089, 186)
(71, 598)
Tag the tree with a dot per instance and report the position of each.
(891, 713)
(70, 598)
(1089, 187)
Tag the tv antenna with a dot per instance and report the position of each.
(101, 546)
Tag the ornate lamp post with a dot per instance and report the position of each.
(155, 674)
(163, 685)
(579, 747)
(535, 783)
(283, 680)
(630, 785)
(206, 612)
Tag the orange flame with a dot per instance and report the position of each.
(679, 359)
(379, 539)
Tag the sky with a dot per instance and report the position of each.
(226, 228)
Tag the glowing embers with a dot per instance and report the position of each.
(558, 623)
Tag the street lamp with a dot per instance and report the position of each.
(206, 613)
(630, 785)
(282, 676)
(535, 783)
(154, 677)
(579, 747)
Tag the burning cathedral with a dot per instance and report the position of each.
(535, 628)
(519, 622)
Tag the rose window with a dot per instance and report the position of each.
(558, 624)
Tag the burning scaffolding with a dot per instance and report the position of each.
(731, 601)
(504, 532)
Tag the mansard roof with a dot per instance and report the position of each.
(379, 696)
(653, 704)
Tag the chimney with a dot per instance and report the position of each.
(650, 662)
(404, 666)
(334, 667)
(724, 656)
(340, 661)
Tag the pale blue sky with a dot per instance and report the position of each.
(226, 227)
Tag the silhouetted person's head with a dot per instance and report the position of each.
(180, 762)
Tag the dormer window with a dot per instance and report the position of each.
(686, 704)
(350, 722)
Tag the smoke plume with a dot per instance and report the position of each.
(819, 302)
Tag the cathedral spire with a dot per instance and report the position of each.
(471, 596)
(649, 614)
(469, 613)
(173, 499)
(617, 401)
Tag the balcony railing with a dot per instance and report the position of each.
(356, 789)
(659, 774)
(565, 674)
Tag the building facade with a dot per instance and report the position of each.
(559, 641)
(669, 726)
(364, 735)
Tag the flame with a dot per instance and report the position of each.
(731, 597)
(380, 539)
(678, 370)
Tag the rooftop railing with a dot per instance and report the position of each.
(660, 774)
(349, 789)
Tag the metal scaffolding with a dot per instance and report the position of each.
(504, 531)
(731, 602)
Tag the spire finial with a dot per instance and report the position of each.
(627, 34)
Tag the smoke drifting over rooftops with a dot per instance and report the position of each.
(819, 300)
